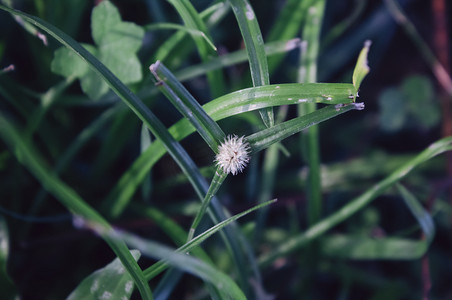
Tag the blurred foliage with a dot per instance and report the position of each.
(413, 104)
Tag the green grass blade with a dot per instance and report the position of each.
(27, 156)
(254, 44)
(81, 140)
(287, 25)
(361, 68)
(187, 105)
(176, 233)
(263, 139)
(231, 104)
(184, 262)
(310, 138)
(217, 181)
(391, 248)
(422, 216)
(193, 21)
(175, 41)
(193, 32)
(155, 269)
(233, 58)
(357, 203)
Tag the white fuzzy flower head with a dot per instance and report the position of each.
(233, 154)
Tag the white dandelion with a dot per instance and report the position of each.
(233, 154)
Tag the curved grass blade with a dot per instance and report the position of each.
(391, 248)
(254, 44)
(187, 105)
(231, 104)
(263, 139)
(193, 21)
(176, 233)
(233, 58)
(217, 181)
(193, 32)
(158, 267)
(81, 139)
(362, 67)
(171, 44)
(422, 216)
(357, 203)
(287, 25)
(27, 155)
(187, 263)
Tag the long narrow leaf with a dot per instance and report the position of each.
(233, 58)
(217, 181)
(155, 269)
(193, 21)
(254, 44)
(310, 139)
(184, 262)
(263, 139)
(187, 105)
(358, 247)
(193, 32)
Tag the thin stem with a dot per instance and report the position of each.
(308, 73)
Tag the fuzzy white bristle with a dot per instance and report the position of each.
(233, 154)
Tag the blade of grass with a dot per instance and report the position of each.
(176, 233)
(193, 32)
(46, 101)
(233, 58)
(263, 139)
(310, 138)
(267, 178)
(392, 248)
(356, 204)
(27, 155)
(177, 40)
(193, 21)
(158, 267)
(145, 142)
(254, 44)
(72, 150)
(361, 68)
(422, 216)
(179, 237)
(287, 25)
(217, 181)
(435, 65)
(187, 263)
(335, 32)
(187, 106)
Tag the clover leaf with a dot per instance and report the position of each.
(116, 45)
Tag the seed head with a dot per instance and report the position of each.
(233, 154)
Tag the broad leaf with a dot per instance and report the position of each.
(110, 282)
(116, 45)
